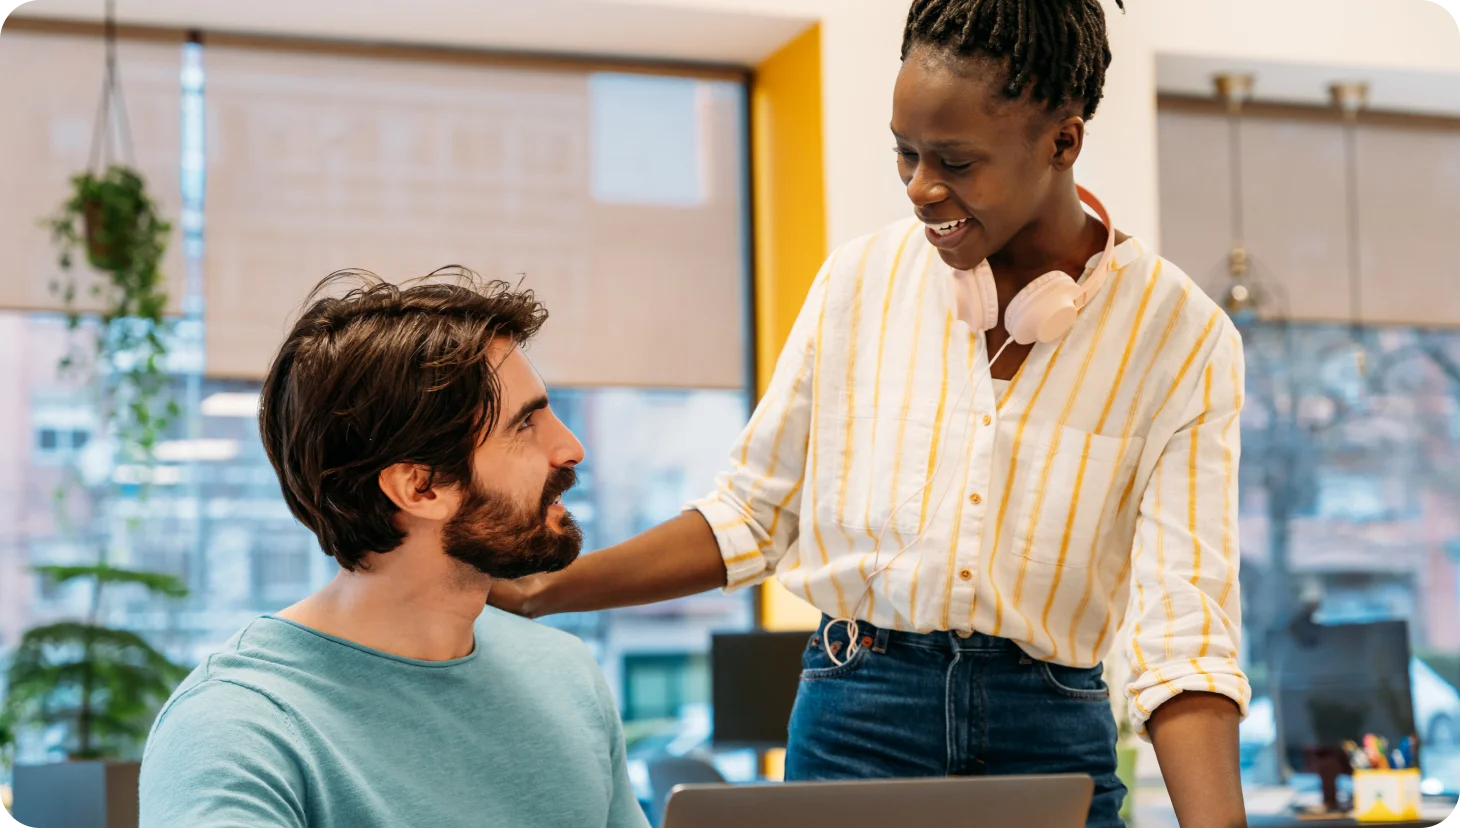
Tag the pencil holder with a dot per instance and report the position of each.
(1386, 795)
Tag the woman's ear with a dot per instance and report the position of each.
(1069, 139)
(410, 488)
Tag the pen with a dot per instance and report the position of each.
(1356, 757)
(1371, 751)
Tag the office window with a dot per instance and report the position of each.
(1352, 503)
(646, 139)
(61, 425)
(1349, 497)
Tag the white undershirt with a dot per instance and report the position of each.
(963, 302)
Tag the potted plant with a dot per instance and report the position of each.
(101, 686)
(119, 221)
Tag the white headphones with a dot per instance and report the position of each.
(1044, 310)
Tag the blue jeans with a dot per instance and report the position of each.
(937, 704)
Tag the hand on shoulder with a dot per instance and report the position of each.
(518, 597)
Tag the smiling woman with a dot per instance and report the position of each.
(1029, 511)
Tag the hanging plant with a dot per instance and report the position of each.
(112, 221)
(124, 235)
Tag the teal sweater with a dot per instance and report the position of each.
(288, 728)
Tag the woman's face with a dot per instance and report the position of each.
(978, 166)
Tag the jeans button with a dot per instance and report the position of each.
(965, 634)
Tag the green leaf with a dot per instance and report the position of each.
(126, 686)
(156, 582)
(52, 663)
(68, 633)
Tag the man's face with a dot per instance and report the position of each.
(968, 155)
(512, 523)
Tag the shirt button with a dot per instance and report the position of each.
(975, 498)
(987, 419)
(965, 574)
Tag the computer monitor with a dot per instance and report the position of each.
(753, 680)
(1337, 683)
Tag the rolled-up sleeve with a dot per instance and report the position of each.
(754, 510)
(1185, 598)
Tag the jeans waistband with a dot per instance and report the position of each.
(880, 640)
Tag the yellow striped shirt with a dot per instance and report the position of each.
(1097, 491)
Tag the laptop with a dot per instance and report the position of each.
(1057, 801)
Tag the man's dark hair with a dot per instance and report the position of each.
(1055, 48)
(385, 374)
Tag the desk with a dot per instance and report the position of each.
(1268, 808)
(1294, 822)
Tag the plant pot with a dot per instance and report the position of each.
(98, 253)
(1125, 769)
(93, 794)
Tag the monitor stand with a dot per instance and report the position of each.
(1329, 763)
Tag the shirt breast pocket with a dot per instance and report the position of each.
(1072, 491)
(871, 473)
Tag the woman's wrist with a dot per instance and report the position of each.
(536, 595)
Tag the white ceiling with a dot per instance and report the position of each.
(701, 31)
(606, 28)
(1435, 93)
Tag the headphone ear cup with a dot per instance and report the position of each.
(985, 295)
(1044, 310)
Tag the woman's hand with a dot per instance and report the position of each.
(518, 597)
(676, 558)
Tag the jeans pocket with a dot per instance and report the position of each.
(817, 664)
(1080, 683)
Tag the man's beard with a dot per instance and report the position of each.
(502, 539)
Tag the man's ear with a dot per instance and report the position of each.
(410, 488)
